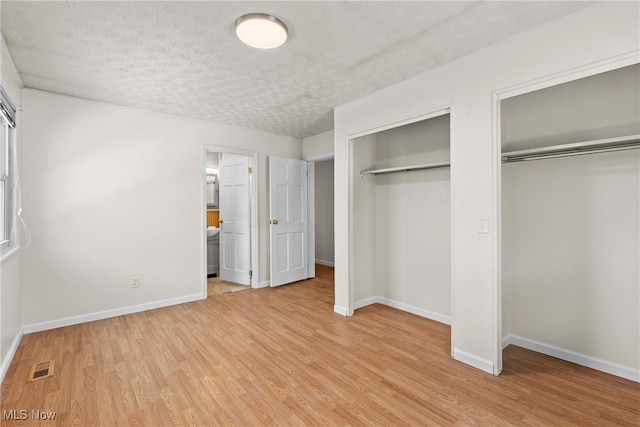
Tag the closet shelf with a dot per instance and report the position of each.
(407, 168)
(575, 149)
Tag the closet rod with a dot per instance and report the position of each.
(568, 154)
(407, 168)
(576, 149)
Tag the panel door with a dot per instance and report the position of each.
(288, 224)
(235, 219)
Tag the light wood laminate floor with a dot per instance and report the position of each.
(282, 357)
(217, 286)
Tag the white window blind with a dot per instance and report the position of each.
(7, 173)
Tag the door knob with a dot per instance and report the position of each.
(274, 221)
(220, 221)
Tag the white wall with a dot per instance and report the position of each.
(571, 240)
(324, 212)
(212, 160)
(114, 192)
(425, 141)
(317, 145)
(598, 33)
(602, 106)
(10, 269)
(413, 217)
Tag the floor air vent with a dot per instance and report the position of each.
(42, 370)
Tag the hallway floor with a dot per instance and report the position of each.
(217, 286)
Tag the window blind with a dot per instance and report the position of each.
(7, 110)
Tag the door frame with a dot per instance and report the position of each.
(253, 208)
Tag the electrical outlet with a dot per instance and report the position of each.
(135, 282)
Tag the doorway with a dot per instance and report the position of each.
(230, 205)
(323, 213)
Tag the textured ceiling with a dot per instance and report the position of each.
(183, 57)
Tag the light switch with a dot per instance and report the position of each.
(483, 225)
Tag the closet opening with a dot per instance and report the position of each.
(570, 222)
(401, 218)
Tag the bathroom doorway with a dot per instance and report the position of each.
(230, 201)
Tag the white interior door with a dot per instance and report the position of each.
(288, 212)
(235, 224)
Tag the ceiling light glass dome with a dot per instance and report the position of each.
(261, 31)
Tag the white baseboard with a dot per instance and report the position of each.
(327, 263)
(404, 307)
(6, 362)
(473, 360)
(90, 317)
(577, 358)
(506, 342)
(365, 302)
(340, 310)
(264, 284)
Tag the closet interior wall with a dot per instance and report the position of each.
(402, 231)
(571, 225)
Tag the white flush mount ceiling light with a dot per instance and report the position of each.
(261, 31)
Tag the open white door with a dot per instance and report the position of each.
(235, 225)
(288, 213)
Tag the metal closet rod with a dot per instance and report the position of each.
(568, 154)
(620, 143)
